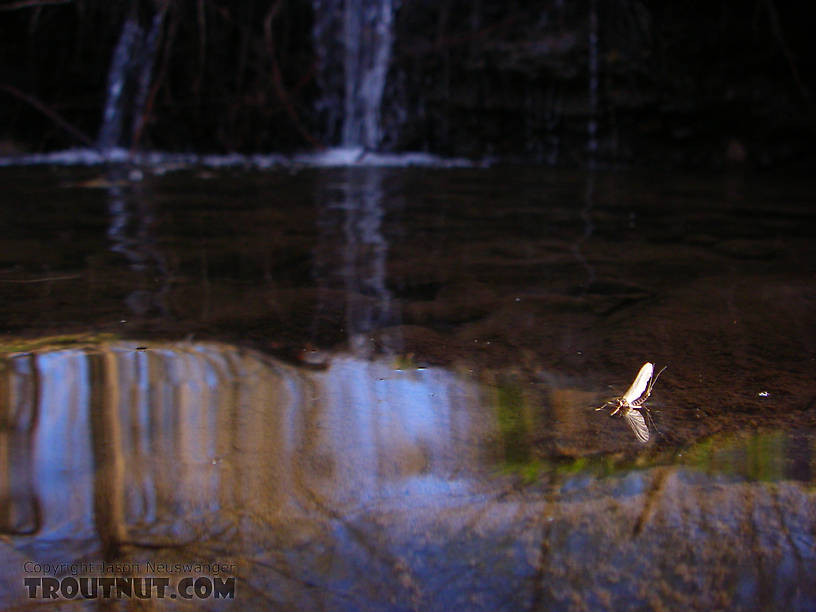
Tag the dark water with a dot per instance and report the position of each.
(375, 388)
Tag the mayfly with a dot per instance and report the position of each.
(629, 405)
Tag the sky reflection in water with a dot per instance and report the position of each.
(357, 474)
(199, 427)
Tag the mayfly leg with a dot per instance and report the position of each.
(608, 404)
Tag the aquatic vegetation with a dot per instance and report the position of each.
(10, 345)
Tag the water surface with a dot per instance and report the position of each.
(373, 387)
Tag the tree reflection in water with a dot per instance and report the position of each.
(363, 485)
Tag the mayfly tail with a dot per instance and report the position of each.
(654, 379)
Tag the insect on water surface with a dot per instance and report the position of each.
(629, 405)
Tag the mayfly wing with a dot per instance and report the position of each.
(642, 399)
(640, 385)
(636, 421)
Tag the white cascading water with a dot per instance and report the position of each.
(110, 132)
(145, 74)
(129, 79)
(358, 33)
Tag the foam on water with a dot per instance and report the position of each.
(335, 157)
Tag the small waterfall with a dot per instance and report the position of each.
(144, 69)
(111, 130)
(358, 33)
(129, 79)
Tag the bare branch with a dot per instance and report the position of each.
(48, 112)
(776, 27)
(277, 77)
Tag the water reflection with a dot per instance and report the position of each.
(116, 441)
(132, 235)
(364, 485)
(355, 205)
(19, 506)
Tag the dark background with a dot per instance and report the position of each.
(692, 83)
